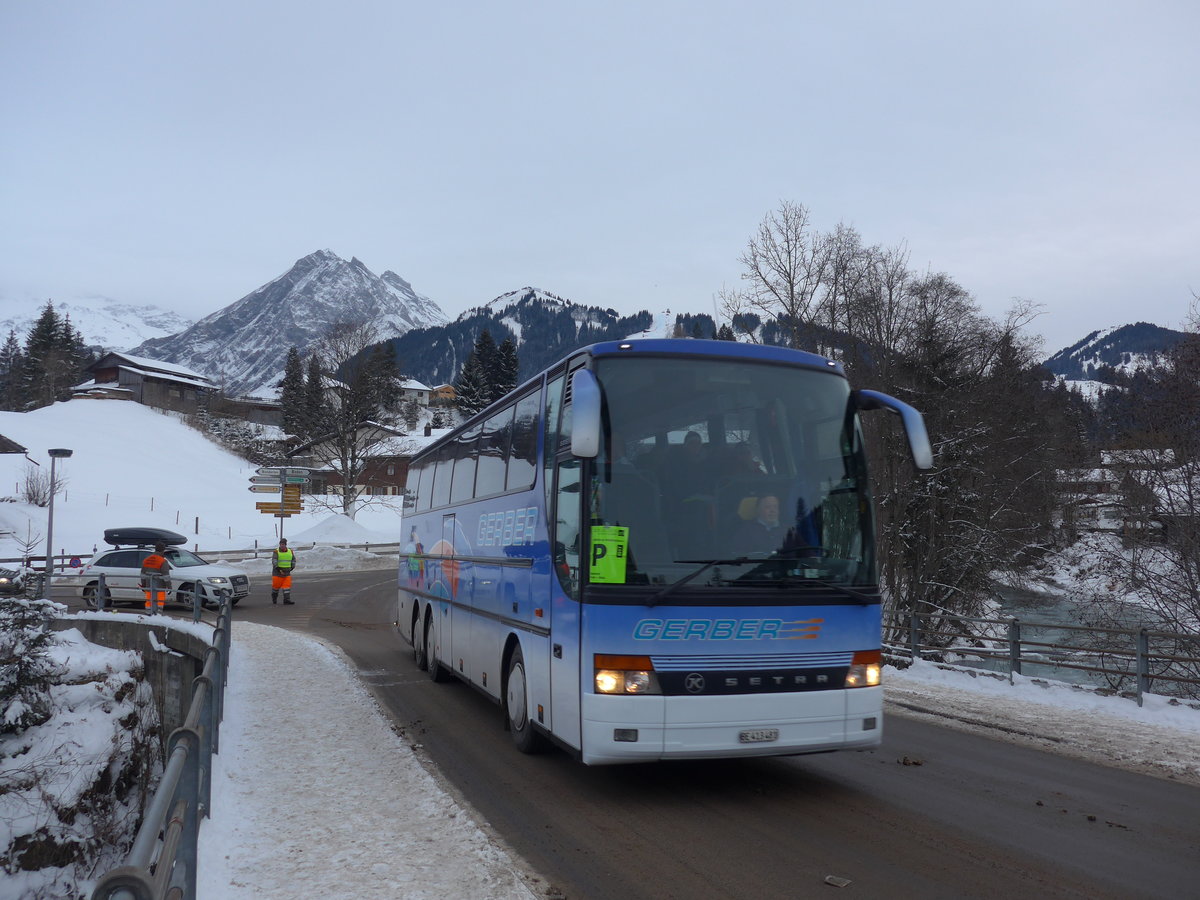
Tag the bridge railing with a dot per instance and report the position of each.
(1128, 661)
(163, 860)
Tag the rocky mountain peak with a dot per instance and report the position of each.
(243, 346)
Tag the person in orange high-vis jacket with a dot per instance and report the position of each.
(156, 576)
(283, 561)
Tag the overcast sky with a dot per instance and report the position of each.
(617, 154)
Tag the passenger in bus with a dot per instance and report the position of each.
(690, 478)
(762, 534)
(742, 462)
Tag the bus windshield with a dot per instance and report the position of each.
(724, 473)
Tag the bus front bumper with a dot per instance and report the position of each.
(621, 729)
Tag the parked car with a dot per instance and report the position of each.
(191, 577)
(12, 582)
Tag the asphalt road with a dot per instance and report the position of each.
(932, 813)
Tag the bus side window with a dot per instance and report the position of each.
(522, 451)
(566, 526)
(466, 453)
(412, 485)
(441, 477)
(550, 434)
(493, 448)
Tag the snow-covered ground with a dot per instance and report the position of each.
(276, 828)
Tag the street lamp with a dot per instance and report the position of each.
(56, 453)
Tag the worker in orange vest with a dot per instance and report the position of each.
(283, 561)
(156, 577)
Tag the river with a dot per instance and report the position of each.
(1041, 615)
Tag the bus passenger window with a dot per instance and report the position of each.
(466, 452)
(412, 488)
(522, 452)
(493, 447)
(441, 477)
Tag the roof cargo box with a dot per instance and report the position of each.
(142, 536)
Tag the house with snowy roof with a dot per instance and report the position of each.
(151, 382)
(170, 387)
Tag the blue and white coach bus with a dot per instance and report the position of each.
(658, 549)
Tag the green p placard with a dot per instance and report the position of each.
(610, 546)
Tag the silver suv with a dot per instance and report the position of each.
(191, 576)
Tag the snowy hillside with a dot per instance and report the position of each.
(544, 326)
(132, 466)
(1125, 349)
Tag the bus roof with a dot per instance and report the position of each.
(700, 347)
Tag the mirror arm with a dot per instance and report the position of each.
(914, 424)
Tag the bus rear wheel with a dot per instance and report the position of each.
(432, 664)
(516, 704)
(418, 643)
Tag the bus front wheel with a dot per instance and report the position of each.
(516, 702)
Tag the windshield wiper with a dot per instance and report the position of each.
(865, 599)
(707, 564)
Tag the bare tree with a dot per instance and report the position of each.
(1161, 489)
(923, 338)
(37, 489)
(359, 381)
(785, 266)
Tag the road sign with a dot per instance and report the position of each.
(269, 471)
(264, 479)
(296, 479)
(277, 507)
(265, 488)
(295, 471)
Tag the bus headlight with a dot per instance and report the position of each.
(625, 675)
(865, 669)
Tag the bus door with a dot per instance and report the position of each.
(565, 635)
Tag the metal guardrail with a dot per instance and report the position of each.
(163, 860)
(1139, 657)
(104, 598)
(62, 567)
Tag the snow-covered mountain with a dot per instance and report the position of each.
(243, 346)
(103, 321)
(544, 326)
(1122, 350)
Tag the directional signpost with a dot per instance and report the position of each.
(280, 480)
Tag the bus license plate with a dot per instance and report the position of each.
(759, 735)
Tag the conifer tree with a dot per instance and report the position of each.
(488, 356)
(314, 398)
(475, 386)
(292, 394)
(12, 364)
(471, 387)
(54, 358)
(508, 366)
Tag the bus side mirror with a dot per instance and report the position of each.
(914, 424)
(585, 414)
